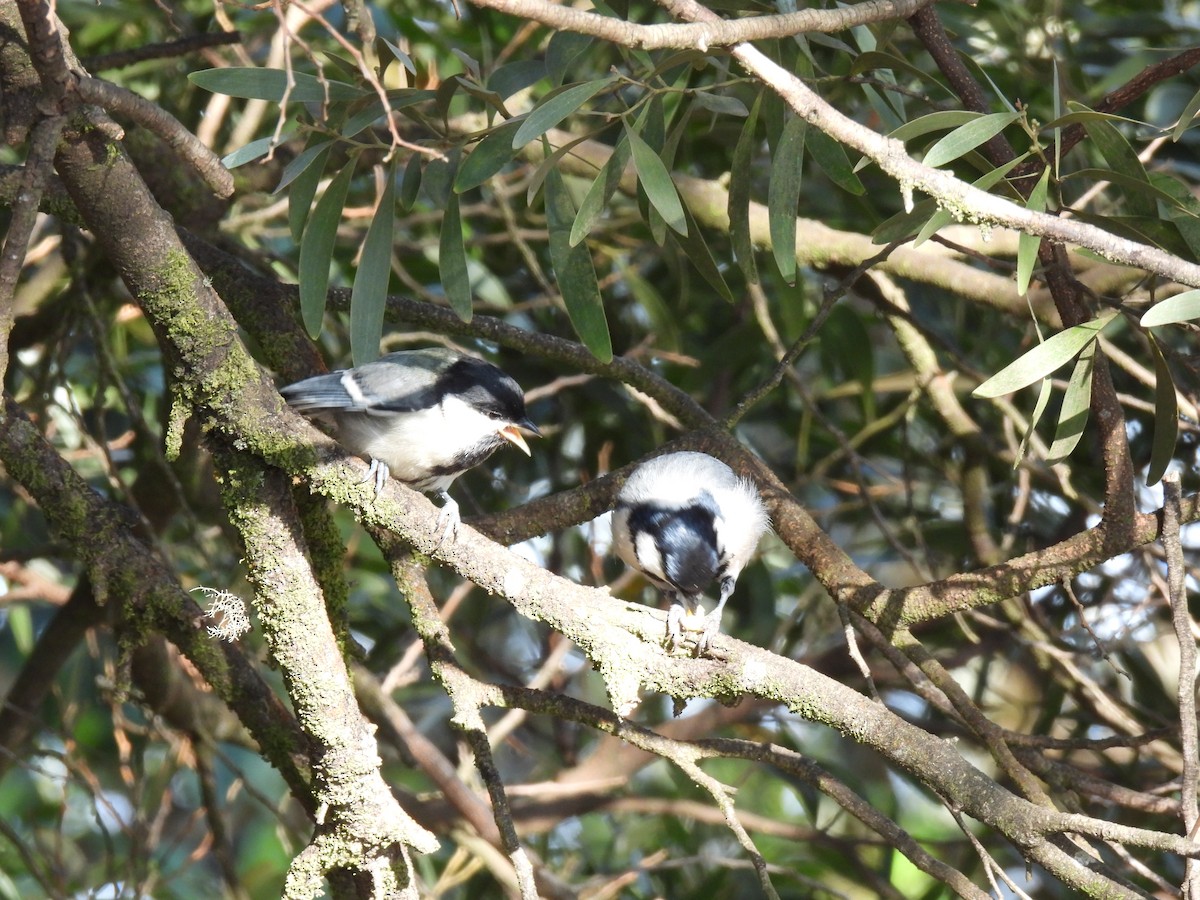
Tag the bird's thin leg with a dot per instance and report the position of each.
(675, 616)
(448, 516)
(712, 622)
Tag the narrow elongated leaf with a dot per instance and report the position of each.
(1039, 409)
(1184, 211)
(831, 157)
(1043, 359)
(574, 270)
(300, 164)
(936, 121)
(1122, 158)
(877, 59)
(1186, 118)
(316, 248)
(1077, 401)
(368, 297)
(410, 184)
(1166, 418)
(739, 195)
(549, 113)
(656, 181)
(452, 261)
(696, 249)
(302, 191)
(488, 157)
(252, 151)
(253, 83)
(1028, 244)
(403, 58)
(552, 161)
(967, 137)
(1148, 191)
(721, 104)
(783, 194)
(600, 192)
(563, 50)
(516, 76)
(1180, 308)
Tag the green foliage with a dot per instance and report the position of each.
(649, 204)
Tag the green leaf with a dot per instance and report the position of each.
(937, 121)
(410, 184)
(877, 59)
(903, 224)
(831, 157)
(553, 110)
(1081, 115)
(436, 182)
(783, 195)
(600, 192)
(252, 151)
(1147, 191)
(1028, 244)
(516, 76)
(253, 83)
(697, 252)
(1043, 359)
(1180, 308)
(487, 158)
(403, 58)
(19, 622)
(1185, 122)
(722, 104)
(368, 297)
(1039, 409)
(1166, 418)
(967, 137)
(302, 191)
(316, 248)
(1077, 401)
(452, 261)
(552, 161)
(299, 165)
(574, 270)
(563, 50)
(1184, 211)
(1122, 158)
(656, 181)
(739, 195)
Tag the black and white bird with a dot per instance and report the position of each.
(422, 416)
(685, 520)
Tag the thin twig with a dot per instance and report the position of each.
(1177, 594)
(38, 165)
(156, 119)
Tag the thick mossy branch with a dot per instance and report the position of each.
(356, 806)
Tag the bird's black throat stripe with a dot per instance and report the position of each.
(686, 540)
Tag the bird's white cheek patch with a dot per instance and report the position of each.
(648, 555)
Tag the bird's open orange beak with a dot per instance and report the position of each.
(512, 434)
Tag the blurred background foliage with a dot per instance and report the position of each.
(114, 800)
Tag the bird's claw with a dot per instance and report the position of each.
(377, 472)
(680, 619)
(449, 518)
